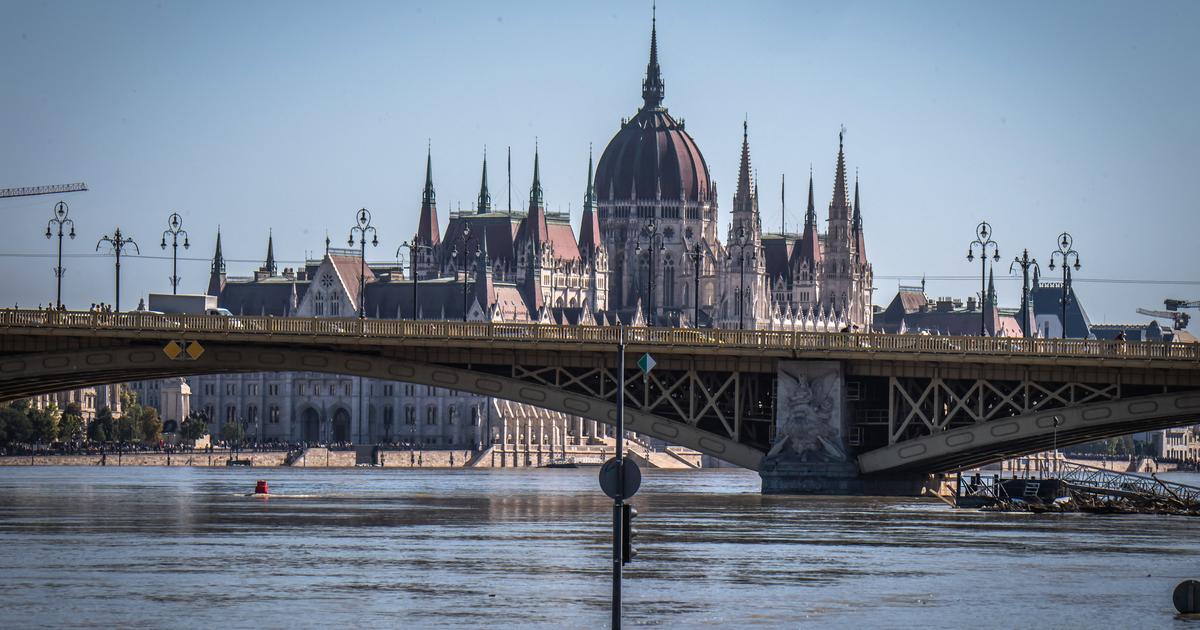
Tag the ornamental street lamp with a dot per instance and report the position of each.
(742, 243)
(118, 244)
(695, 251)
(363, 228)
(983, 234)
(1025, 263)
(461, 259)
(175, 228)
(654, 242)
(1065, 252)
(60, 219)
(413, 248)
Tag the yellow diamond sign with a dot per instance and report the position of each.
(172, 350)
(194, 350)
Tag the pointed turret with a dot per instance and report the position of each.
(589, 228)
(989, 305)
(653, 88)
(745, 193)
(216, 277)
(270, 266)
(427, 226)
(536, 229)
(839, 207)
(809, 250)
(856, 229)
(483, 204)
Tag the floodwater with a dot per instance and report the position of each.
(183, 548)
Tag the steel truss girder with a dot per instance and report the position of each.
(928, 406)
(734, 404)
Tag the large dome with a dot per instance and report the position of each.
(652, 153)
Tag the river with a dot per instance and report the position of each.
(184, 547)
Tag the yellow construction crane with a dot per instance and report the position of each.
(42, 190)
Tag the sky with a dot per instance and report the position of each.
(286, 117)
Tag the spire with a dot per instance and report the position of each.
(840, 201)
(427, 225)
(535, 190)
(484, 202)
(783, 204)
(270, 266)
(989, 305)
(536, 229)
(860, 243)
(218, 261)
(809, 248)
(216, 279)
(744, 198)
(810, 215)
(652, 86)
(589, 227)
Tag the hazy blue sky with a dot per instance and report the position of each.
(1039, 117)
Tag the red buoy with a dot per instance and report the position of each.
(261, 487)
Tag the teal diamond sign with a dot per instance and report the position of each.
(647, 363)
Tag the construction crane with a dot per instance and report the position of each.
(1180, 320)
(42, 190)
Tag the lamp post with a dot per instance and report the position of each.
(983, 238)
(118, 242)
(461, 263)
(363, 228)
(1065, 252)
(695, 251)
(175, 228)
(60, 219)
(653, 237)
(413, 248)
(742, 243)
(1025, 263)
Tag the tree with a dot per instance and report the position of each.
(43, 426)
(129, 426)
(70, 426)
(101, 429)
(232, 432)
(14, 424)
(193, 428)
(151, 425)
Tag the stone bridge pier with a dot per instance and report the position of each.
(811, 452)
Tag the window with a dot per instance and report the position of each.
(230, 413)
(408, 390)
(346, 388)
(410, 415)
(230, 389)
(273, 389)
(273, 418)
(300, 389)
(389, 390)
(853, 390)
(388, 415)
(252, 413)
(431, 415)
(451, 414)
(253, 389)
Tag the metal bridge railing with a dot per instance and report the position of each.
(134, 321)
(1101, 479)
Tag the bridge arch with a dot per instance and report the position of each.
(46, 373)
(1014, 436)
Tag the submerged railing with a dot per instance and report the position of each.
(233, 326)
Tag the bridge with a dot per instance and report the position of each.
(812, 412)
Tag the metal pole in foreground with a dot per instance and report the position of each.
(619, 501)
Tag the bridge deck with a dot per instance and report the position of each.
(376, 332)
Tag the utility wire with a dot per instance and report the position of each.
(913, 277)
